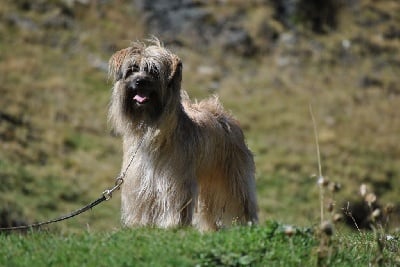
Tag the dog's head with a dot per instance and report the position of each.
(147, 81)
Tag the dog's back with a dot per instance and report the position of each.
(225, 171)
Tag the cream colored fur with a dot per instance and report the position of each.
(192, 166)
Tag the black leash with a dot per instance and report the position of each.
(106, 195)
(64, 217)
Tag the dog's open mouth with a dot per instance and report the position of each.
(141, 98)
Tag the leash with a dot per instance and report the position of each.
(106, 195)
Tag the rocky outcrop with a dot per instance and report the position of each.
(224, 23)
(192, 22)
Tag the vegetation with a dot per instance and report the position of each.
(271, 244)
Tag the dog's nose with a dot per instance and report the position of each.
(139, 82)
(136, 84)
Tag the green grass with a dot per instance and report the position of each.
(265, 245)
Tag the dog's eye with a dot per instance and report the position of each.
(154, 71)
(132, 69)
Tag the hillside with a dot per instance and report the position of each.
(57, 152)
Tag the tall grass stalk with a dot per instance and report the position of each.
(320, 177)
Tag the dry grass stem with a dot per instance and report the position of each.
(321, 179)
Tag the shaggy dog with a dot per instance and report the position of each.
(191, 165)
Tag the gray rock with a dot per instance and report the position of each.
(21, 22)
(189, 21)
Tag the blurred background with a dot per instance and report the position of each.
(268, 60)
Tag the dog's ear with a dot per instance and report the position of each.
(115, 63)
(175, 78)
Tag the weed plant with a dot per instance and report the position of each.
(383, 252)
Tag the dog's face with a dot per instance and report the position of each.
(147, 81)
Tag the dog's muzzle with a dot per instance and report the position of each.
(140, 90)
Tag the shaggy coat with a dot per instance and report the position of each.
(192, 166)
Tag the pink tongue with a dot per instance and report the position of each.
(140, 99)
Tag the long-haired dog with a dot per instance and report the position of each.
(192, 166)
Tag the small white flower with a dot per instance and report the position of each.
(389, 237)
(363, 190)
(346, 44)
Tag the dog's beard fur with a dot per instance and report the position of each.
(192, 165)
